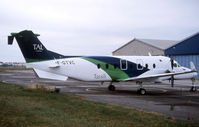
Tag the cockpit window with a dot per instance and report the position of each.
(175, 65)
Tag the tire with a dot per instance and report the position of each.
(111, 88)
(138, 91)
(142, 91)
(193, 89)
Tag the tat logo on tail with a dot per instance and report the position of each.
(38, 47)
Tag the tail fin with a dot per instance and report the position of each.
(32, 49)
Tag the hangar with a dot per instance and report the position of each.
(142, 47)
(182, 51)
(185, 51)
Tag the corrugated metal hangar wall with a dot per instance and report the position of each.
(186, 51)
(142, 47)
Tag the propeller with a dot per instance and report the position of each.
(172, 76)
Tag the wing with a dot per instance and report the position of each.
(156, 76)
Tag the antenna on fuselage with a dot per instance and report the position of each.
(149, 54)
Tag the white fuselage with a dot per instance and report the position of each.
(83, 69)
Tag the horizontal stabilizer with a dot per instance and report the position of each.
(48, 75)
(10, 40)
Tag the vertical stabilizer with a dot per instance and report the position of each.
(31, 47)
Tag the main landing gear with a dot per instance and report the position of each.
(141, 91)
(111, 87)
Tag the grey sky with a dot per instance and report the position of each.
(95, 27)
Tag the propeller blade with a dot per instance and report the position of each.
(172, 77)
(172, 62)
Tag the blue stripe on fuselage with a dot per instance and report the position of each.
(131, 71)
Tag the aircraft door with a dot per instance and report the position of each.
(123, 65)
(139, 64)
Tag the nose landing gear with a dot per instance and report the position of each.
(193, 88)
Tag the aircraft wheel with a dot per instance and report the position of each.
(138, 91)
(141, 91)
(193, 89)
(111, 88)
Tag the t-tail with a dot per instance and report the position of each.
(31, 47)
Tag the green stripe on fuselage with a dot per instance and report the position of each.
(115, 73)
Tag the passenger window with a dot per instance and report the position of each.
(123, 65)
(146, 66)
(106, 66)
(175, 65)
(98, 66)
(139, 66)
(153, 65)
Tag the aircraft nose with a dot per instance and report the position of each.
(195, 74)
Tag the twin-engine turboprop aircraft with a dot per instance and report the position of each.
(51, 65)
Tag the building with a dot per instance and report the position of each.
(142, 47)
(1, 63)
(185, 51)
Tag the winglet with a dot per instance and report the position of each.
(192, 66)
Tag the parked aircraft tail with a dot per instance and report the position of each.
(32, 49)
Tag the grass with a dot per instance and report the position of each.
(20, 107)
(3, 69)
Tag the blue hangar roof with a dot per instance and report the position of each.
(189, 46)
